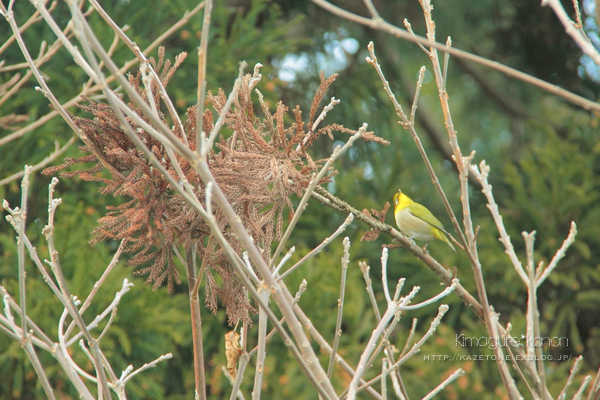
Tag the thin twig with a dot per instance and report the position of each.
(202, 54)
(393, 308)
(196, 320)
(560, 253)
(40, 338)
(248, 265)
(338, 323)
(320, 247)
(369, 288)
(236, 392)
(25, 341)
(285, 258)
(572, 30)
(110, 371)
(411, 334)
(297, 297)
(397, 388)
(73, 364)
(320, 118)
(146, 366)
(482, 173)
(384, 26)
(595, 390)
(584, 384)
(462, 164)
(408, 124)
(384, 374)
(446, 61)
(532, 308)
(507, 379)
(98, 283)
(205, 147)
(118, 296)
(408, 27)
(386, 289)
(51, 157)
(415, 348)
(41, 121)
(337, 152)
(516, 365)
(21, 253)
(433, 299)
(46, 90)
(35, 17)
(262, 343)
(574, 370)
(325, 347)
(532, 315)
(458, 373)
(108, 324)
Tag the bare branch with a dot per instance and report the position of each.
(21, 252)
(384, 26)
(25, 341)
(393, 308)
(481, 174)
(572, 30)
(579, 394)
(408, 124)
(560, 253)
(146, 366)
(574, 370)
(337, 152)
(458, 373)
(338, 323)
(51, 157)
(262, 343)
(320, 247)
(202, 54)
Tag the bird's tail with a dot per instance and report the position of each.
(444, 236)
(447, 240)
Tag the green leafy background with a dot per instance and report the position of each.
(545, 172)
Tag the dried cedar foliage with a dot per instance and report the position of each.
(373, 233)
(258, 167)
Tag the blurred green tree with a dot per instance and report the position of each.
(545, 164)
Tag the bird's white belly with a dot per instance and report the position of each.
(412, 226)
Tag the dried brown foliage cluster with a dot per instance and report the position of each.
(373, 233)
(258, 167)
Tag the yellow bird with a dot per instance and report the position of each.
(417, 222)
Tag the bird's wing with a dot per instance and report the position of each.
(423, 213)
